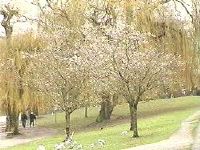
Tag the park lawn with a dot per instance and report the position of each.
(157, 121)
(151, 129)
(120, 113)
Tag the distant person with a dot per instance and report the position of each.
(32, 119)
(23, 119)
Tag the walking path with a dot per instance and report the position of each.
(181, 140)
(196, 144)
(27, 135)
(2, 126)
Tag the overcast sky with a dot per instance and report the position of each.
(31, 11)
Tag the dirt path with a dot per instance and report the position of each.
(196, 143)
(27, 135)
(181, 140)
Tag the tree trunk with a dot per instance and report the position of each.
(15, 124)
(105, 111)
(68, 127)
(8, 116)
(86, 112)
(133, 115)
(55, 116)
(107, 105)
(12, 121)
(15, 119)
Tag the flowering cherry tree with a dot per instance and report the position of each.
(130, 69)
(139, 72)
(62, 72)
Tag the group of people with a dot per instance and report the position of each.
(24, 118)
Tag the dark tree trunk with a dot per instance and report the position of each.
(12, 122)
(68, 126)
(107, 105)
(15, 119)
(105, 111)
(15, 124)
(8, 113)
(8, 116)
(86, 112)
(133, 115)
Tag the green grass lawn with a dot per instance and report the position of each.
(145, 109)
(151, 130)
(157, 121)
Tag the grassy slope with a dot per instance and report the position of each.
(146, 109)
(169, 114)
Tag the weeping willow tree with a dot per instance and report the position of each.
(174, 35)
(14, 60)
(195, 34)
(169, 34)
(13, 66)
(10, 98)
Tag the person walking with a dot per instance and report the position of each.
(23, 119)
(32, 119)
